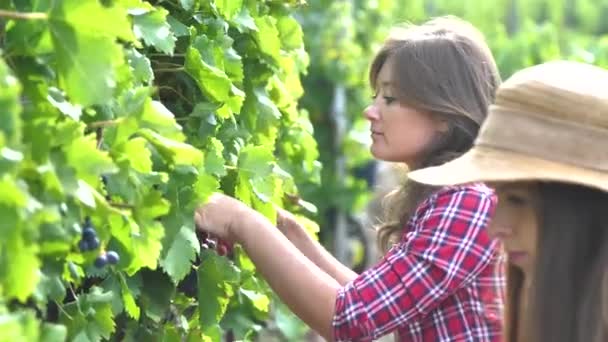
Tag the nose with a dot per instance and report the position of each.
(371, 113)
(499, 231)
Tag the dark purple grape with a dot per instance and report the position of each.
(222, 250)
(88, 233)
(84, 245)
(113, 257)
(93, 243)
(101, 261)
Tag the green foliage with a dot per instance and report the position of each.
(343, 36)
(130, 113)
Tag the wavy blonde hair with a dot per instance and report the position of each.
(445, 68)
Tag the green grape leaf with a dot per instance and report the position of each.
(213, 82)
(20, 274)
(87, 160)
(142, 241)
(157, 117)
(256, 161)
(205, 186)
(214, 161)
(187, 4)
(229, 8)
(58, 100)
(173, 151)
(147, 246)
(156, 294)
(267, 37)
(85, 65)
(152, 206)
(90, 318)
(153, 28)
(53, 333)
(182, 251)
(77, 14)
(216, 280)
(18, 326)
(244, 21)
(134, 153)
(10, 124)
(141, 66)
(85, 56)
(233, 64)
(179, 29)
(128, 299)
(259, 300)
(290, 33)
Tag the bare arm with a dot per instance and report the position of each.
(312, 249)
(306, 289)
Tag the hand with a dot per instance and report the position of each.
(221, 215)
(285, 220)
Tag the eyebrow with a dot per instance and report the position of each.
(385, 84)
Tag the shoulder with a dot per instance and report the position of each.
(470, 197)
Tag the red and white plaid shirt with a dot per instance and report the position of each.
(443, 281)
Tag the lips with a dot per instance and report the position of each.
(517, 256)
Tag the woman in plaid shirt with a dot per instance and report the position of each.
(441, 276)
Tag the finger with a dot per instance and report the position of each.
(198, 221)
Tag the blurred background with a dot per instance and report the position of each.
(341, 38)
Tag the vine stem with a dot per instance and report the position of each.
(106, 123)
(21, 15)
(176, 93)
(121, 205)
(165, 55)
(63, 310)
(169, 69)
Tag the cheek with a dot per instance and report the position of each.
(530, 231)
(411, 133)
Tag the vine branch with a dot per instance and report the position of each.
(105, 123)
(177, 93)
(22, 15)
(169, 69)
(121, 205)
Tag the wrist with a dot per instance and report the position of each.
(245, 220)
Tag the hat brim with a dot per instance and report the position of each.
(486, 164)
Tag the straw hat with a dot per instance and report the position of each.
(549, 122)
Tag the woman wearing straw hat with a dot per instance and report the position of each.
(441, 277)
(544, 147)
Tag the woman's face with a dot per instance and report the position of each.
(399, 133)
(516, 221)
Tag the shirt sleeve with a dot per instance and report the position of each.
(446, 247)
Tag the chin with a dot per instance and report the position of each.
(380, 154)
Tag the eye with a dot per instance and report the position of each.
(389, 99)
(516, 200)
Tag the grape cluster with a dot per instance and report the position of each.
(89, 242)
(109, 257)
(221, 247)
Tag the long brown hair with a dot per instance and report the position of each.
(445, 68)
(568, 297)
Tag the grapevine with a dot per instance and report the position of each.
(118, 119)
